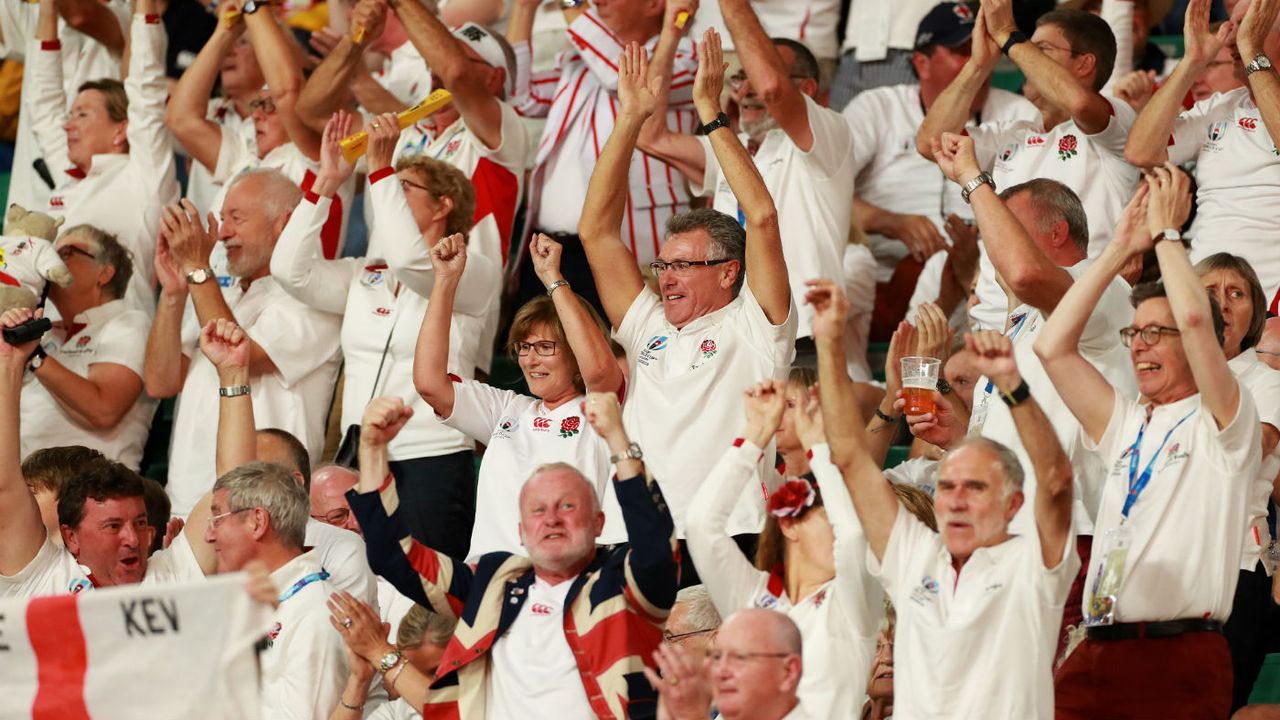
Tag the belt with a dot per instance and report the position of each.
(1140, 630)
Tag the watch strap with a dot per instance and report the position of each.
(1019, 395)
(556, 286)
(36, 359)
(631, 453)
(722, 120)
(1016, 37)
(200, 275)
(231, 391)
(983, 178)
(1259, 62)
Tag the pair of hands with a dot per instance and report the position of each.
(1161, 202)
(383, 133)
(363, 632)
(766, 402)
(930, 337)
(1250, 32)
(16, 357)
(684, 686)
(993, 357)
(640, 95)
(184, 245)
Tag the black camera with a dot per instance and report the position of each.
(33, 329)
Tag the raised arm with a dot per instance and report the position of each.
(1085, 390)
(165, 368)
(187, 112)
(618, 280)
(325, 91)
(1054, 82)
(46, 102)
(1258, 22)
(883, 426)
(281, 61)
(1149, 137)
(873, 497)
(1033, 277)
(431, 357)
(21, 530)
(1168, 207)
(769, 77)
(471, 84)
(993, 357)
(953, 108)
(95, 19)
(680, 150)
(587, 340)
(148, 91)
(766, 269)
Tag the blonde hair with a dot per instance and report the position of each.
(420, 625)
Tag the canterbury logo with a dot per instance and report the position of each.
(540, 609)
(1249, 123)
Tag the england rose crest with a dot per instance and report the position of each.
(708, 349)
(1067, 147)
(570, 426)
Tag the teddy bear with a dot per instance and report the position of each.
(28, 259)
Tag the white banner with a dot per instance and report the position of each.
(177, 651)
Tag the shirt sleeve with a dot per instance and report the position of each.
(598, 47)
(1238, 446)
(298, 339)
(298, 263)
(1053, 583)
(1113, 137)
(710, 173)
(1108, 446)
(532, 93)
(150, 143)
(861, 114)
(46, 104)
(832, 139)
(776, 341)
(859, 596)
(635, 323)
(477, 408)
(989, 137)
(1191, 129)
(1266, 397)
(1112, 312)
(909, 541)
(233, 154)
(118, 341)
(513, 150)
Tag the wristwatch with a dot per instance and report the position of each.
(631, 453)
(722, 120)
(204, 274)
(570, 4)
(1019, 395)
(1015, 37)
(982, 179)
(388, 661)
(37, 358)
(231, 391)
(944, 387)
(1259, 62)
(252, 6)
(1170, 234)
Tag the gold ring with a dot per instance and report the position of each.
(674, 681)
(346, 623)
(375, 126)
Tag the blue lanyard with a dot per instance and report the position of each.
(313, 577)
(1139, 483)
(1017, 327)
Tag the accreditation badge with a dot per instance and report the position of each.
(1101, 606)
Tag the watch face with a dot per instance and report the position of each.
(389, 660)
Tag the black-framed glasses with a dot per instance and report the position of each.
(266, 105)
(545, 348)
(682, 266)
(667, 636)
(1150, 334)
(66, 251)
(734, 658)
(334, 517)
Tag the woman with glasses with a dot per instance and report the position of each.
(382, 301)
(811, 561)
(563, 351)
(1232, 282)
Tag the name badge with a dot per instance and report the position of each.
(1101, 606)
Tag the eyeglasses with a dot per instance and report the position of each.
(1150, 334)
(736, 80)
(545, 348)
(733, 658)
(215, 519)
(682, 266)
(266, 105)
(66, 251)
(336, 517)
(406, 184)
(1046, 47)
(677, 638)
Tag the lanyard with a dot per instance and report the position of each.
(1138, 483)
(305, 581)
(1017, 327)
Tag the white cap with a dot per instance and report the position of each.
(488, 48)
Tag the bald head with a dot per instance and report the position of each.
(770, 629)
(1268, 346)
(756, 665)
(562, 475)
(329, 485)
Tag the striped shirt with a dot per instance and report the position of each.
(578, 97)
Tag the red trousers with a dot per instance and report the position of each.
(1187, 677)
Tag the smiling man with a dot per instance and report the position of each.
(972, 597)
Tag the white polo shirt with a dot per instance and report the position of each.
(873, 27)
(860, 289)
(362, 291)
(1263, 383)
(534, 673)
(1188, 525)
(342, 553)
(813, 192)
(201, 187)
(892, 175)
(109, 333)
(304, 667)
(303, 345)
(54, 571)
(521, 433)
(979, 650)
(1237, 172)
(1091, 165)
(404, 74)
(685, 392)
(1100, 345)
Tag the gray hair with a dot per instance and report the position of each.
(557, 466)
(1006, 458)
(702, 614)
(272, 488)
(109, 251)
(278, 194)
(728, 239)
(1053, 201)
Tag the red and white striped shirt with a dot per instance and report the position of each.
(579, 99)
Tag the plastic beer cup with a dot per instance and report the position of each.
(919, 380)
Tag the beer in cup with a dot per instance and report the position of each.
(919, 380)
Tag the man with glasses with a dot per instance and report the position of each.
(705, 335)
(755, 667)
(1174, 508)
(803, 151)
(1078, 140)
(83, 384)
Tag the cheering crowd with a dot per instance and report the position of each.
(694, 228)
